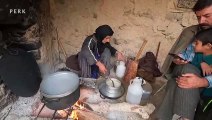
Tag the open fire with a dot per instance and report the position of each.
(72, 113)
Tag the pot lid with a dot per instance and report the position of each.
(111, 94)
(59, 84)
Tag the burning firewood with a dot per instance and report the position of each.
(105, 108)
(79, 111)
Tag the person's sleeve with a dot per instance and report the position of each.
(185, 38)
(112, 49)
(188, 54)
(209, 78)
(91, 59)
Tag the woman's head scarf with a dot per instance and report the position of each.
(103, 31)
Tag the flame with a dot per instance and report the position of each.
(74, 115)
(77, 106)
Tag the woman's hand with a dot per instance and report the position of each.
(206, 69)
(120, 56)
(102, 67)
(179, 61)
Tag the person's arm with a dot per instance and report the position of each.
(114, 52)
(102, 67)
(209, 78)
(111, 48)
(190, 80)
(178, 61)
(185, 38)
(91, 59)
(206, 69)
(187, 55)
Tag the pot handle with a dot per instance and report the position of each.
(131, 81)
(47, 100)
(102, 96)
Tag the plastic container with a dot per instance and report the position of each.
(135, 91)
(120, 70)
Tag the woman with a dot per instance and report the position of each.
(96, 52)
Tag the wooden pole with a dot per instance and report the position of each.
(157, 50)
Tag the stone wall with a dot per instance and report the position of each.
(70, 21)
(132, 21)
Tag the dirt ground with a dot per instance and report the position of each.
(157, 98)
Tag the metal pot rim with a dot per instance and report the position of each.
(65, 82)
(108, 94)
(57, 96)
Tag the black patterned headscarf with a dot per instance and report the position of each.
(103, 31)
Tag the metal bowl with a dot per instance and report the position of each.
(111, 90)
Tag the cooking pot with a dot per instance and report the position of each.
(60, 90)
(111, 88)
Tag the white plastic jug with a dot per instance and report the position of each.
(120, 70)
(135, 91)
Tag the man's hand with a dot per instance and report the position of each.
(190, 80)
(178, 61)
(206, 69)
(102, 67)
(120, 56)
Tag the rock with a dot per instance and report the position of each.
(187, 4)
(173, 30)
(2, 90)
(174, 16)
(188, 19)
(122, 26)
(116, 41)
(161, 26)
(6, 97)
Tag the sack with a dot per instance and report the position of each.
(148, 67)
(148, 76)
(20, 72)
(72, 62)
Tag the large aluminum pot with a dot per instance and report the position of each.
(60, 90)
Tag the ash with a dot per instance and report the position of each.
(20, 109)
